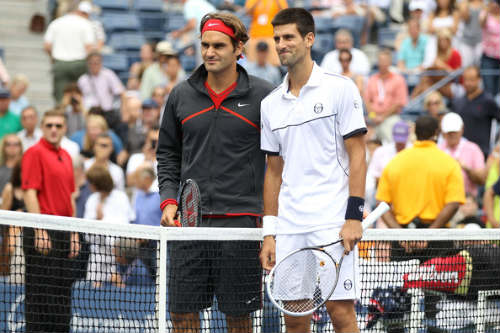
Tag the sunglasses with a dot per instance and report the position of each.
(50, 125)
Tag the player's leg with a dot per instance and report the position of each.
(343, 316)
(186, 322)
(298, 324)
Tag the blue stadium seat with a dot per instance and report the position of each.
(116, 62)
(148, 5)
(387, 36)
(152, 24)
(188, 63)
(2, 54)
(353, 23)
(112, 5)
(174, 21)
(323, 43)
(120, 22)
(324, 24)
(127, 41)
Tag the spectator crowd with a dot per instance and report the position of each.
(111, 125)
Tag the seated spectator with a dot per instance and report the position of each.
(360, 64)
(72, 103)
(11, 150)
(103, 148)
(477, 109)
(82, 187)
(150, 116)
(4, 75)
(434, 105)
(417, 9)
(173, 72)
(131, 268)
(147, 200)
(95, 125)
(467, 153)
(100, 86)
(490, 22)
(445, 16)
(385, 96)
(468, 41)
(18, 100)
(412, 52)
(145, 159)
(345, 58)
(137, 69)
(31, 133)
(261, 68)
(110, 206)
(160, 96)
(9, 122)
(130, 129)
(447, 60)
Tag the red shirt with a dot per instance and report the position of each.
(49, 171)
(454, 61)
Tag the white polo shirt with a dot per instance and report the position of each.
(309, 132)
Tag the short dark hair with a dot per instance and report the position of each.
(301, 17)
(346, 51)
(100, 178)
(426, 127)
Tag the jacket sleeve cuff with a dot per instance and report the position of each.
(168, 202)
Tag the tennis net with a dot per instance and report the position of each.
(130, 278)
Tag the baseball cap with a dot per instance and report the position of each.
(400, 132)
(85, 7)
(149, 103)
(451, 122)
(165, 48)
(417, 5)
(4, 93)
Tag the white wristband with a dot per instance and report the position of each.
(269, 225)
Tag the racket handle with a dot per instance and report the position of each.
(177, 223)
(375, 214)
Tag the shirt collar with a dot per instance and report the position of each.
(424, 143)
(314, 81)
(49, 145)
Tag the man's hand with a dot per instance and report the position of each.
(351, 233)
(74, 247)
(168, 216)
(43, 245)
(268, 253)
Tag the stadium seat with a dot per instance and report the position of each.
(387, 36)
(127, 41)
(148, 5)
(188, 63)
(174, 21)
(115, 61)
(120, 22)
(324, 24)
(112, 5)
(353, 23)
(152, 24)
(323, 43)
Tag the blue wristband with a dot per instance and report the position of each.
(355, 208)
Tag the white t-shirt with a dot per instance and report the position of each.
(69, 35)
(135, 161)
(115, 171)
(360, 64)
(71, 147)
(29, 141)
(309, 132)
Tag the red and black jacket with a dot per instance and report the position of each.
(217, 147)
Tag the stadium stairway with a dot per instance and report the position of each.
(23, 50)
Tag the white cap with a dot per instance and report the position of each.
(417, 4)
(85, 7)
(451, 122)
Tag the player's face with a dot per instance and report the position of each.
(292, 48)
(218, 52)
(53, 129)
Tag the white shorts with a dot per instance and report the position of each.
(348, 286)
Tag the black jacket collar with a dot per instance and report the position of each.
(199, 76)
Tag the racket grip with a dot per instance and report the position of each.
(177, 223)
(380, 210)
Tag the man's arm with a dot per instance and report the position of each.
(272, 184)
(42, 241)
(48, 48)
(352, 231)
(390, 220)
(445, 215)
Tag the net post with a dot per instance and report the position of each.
(162, 283)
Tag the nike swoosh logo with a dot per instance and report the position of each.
(242, 105)
(211, 24)
(251, 300)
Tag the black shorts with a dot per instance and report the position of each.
(228, 270)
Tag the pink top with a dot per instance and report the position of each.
(469, 154)
(491, 37)
(384, 93)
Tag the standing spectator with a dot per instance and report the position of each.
(9, 122)
(72, 103)
(412, 52)
(47, 179)
(17, 89)
(103, 148)
(31, 133)
(109, 205)
(477, 109)
(186, 149)
(469, 35)
(262, 13)
(465, 152)
(385, 96)
(490, 22)
(423, 184)
(345, 59)
(11, 152)
(137, 69)
(360, 64)
(261, 68)
(68, 40)
(100, 86)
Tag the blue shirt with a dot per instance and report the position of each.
(413, 56)
(17, 106)
(79, 136)
(147, 208)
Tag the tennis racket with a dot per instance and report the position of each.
(305, 279)
(190, 204)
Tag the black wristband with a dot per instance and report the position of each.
(355, 208)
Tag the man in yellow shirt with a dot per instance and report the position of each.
(423, 184)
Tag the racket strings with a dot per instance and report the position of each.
(190, 199)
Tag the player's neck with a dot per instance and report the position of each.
(220, 81)
(299, 74)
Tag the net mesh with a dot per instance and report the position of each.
(147, 279)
